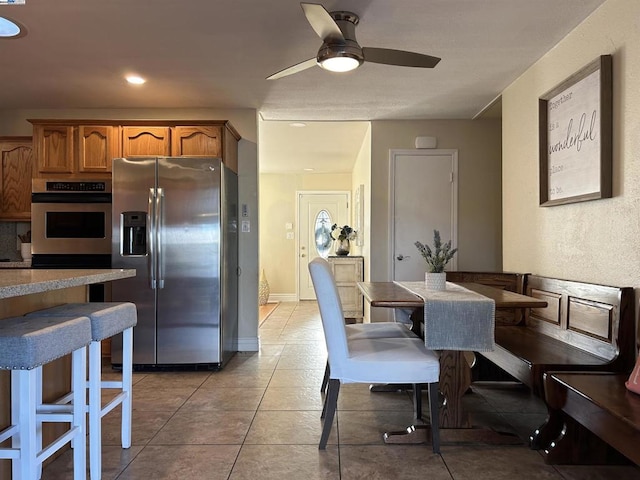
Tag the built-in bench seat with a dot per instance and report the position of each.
(599, 402)
(585, 327)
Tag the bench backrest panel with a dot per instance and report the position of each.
(596, 318)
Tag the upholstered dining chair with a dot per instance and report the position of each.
(371, 330)
(370, 360)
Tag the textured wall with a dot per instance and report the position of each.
(596, 241)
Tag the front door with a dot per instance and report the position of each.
(317, 211)
(424, 193)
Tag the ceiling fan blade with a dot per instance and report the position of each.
(400, 58)
(298, 67)
(322, 22)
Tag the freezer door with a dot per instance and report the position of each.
(133, 186)
(188, 319)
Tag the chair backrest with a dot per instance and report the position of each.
(330, 311)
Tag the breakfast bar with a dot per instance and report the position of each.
(25, 290)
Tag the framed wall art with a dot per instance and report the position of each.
(575, 134)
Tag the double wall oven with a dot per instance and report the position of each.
(71, 224)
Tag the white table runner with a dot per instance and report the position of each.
(455, 318)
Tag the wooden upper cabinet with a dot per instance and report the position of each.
(86, 148)
(146, 141)
(196, 141)
(54, 148)
(16, 163)
(97, 146)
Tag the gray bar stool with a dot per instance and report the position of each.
(107, 319)
(27, 343)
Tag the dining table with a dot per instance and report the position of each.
(455, 369)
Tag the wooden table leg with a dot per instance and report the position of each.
(455, 379)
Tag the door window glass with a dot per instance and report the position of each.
(322, 233)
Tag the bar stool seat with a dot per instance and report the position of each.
(27, 343)
(107, 319)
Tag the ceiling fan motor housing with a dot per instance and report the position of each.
(333, 48)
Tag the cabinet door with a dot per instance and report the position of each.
(347, 271)
(16, 161)
(97, 145)
(196, 141)
(146, 142)
(53, 148)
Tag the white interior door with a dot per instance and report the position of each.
(315, 208)
(424, 193)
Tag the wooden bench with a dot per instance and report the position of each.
(584, 402)
(585, 327)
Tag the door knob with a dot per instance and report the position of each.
(303, 255)
(401, 257)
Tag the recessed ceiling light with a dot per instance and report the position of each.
(135, 79)
(8, 29)
(308, 169)
(297, 124)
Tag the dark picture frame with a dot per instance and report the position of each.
(575, 135)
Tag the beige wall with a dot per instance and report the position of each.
(361, 175)
(479, 181)
(596, 241)
(479, 199)
(277, 207)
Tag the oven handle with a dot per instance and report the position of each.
(151, 260)
(160, 235)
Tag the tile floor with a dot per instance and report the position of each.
(258, 419)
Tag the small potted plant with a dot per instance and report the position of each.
(343, 235)
(436, 258)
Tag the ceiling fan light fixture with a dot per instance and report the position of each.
(340, 64)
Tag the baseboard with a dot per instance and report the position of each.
(283, 297)
(248, 344)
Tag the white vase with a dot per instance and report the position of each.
(436, 281)
(25, 251)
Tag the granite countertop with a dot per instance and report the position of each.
(17, 282)
(20, 264)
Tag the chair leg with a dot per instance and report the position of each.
(331, 404)
(325, 379)
(434, 414)
(127, 381)
(95, 397)
(417, 401)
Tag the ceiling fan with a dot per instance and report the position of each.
(340, 51)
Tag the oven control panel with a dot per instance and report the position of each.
(88, 186)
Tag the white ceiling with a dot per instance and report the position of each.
(217, 53)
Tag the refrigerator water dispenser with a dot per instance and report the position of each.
(134, 233)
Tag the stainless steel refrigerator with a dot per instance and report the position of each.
(175, 220)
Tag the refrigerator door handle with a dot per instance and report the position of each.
(151, 240)
(160, 232)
